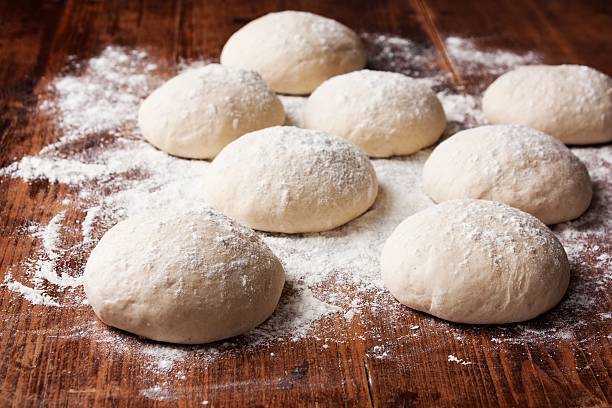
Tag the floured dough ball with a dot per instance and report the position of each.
(198, 112)
(287, 179)
(475, 261)
(192, 277)
(384, 113)
(513, 164)
(294, 51)
(571, 102)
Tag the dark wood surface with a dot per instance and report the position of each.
(39, 369)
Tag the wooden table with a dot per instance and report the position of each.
(39, 369)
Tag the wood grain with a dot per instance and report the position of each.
(39, 368)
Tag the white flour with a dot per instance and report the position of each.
(458, 360)
(332, 273)
(472, 60)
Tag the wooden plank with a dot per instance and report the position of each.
(39, 367)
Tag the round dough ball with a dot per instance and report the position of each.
(384, 113)
(513, 164)
(192, 277)
(198, 112)
(294, 51)
(571, 102)
(475, 261)
(287, 179)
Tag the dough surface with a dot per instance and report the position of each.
(294, 51)
(384, 113)
(513, 164)
(571, 102)
(287, 179)
(193, 277)
(198, 112)
(475, 261)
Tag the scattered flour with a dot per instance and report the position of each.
(457, 360)
(34, 296)
(331, 273)
(159, 393)
(102, 98)
(50, 236)
(397, 54)
(91, 215)
(379, 352)
(471, 60)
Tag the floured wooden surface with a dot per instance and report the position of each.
(95, 170)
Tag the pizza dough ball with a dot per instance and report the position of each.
(571, 102)
(513, 164)
(287, 179)
(198, 112)
(384, 113)
(294, 51)
(193, 277)
(475, 261)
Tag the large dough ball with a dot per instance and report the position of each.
(287, 179)
(197, 113)
(193, 277)
(384, 113)
(294, 51)
(513, 164)
(571, 102)
(475, 261)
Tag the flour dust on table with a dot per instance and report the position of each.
(333, 277)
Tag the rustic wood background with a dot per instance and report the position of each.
(38, 369)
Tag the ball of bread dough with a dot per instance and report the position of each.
(192, 277)
(475, 261)
(571, 102)
(384, 113)
(198, 112)
(287, 179)
(294, 51)
(513, 164)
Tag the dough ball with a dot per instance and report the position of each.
(475, 261)
(294, 51)
(384, 113)
(197, 113)
(571, 102)
(513, 164)
(193, 277)
(287, 179)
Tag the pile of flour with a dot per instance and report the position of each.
(114, 174)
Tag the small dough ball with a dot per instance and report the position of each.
(287, 179)
(198, 112)
(571, 102)
(193, 277)
(513, 164)
(475, 261)
(294, 51)
(384, 113)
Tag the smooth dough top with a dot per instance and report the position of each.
(198, 112)
(295, 51)
(513, 164)
(571, 102)
(287, 179)
(477, 262)
(384, 113)
(192, 277)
